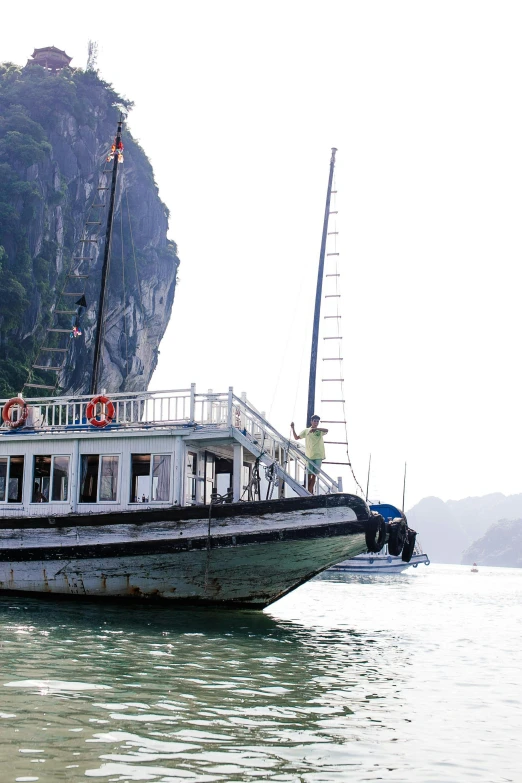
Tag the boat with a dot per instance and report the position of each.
(474, 570)
(384, 562)
(380, 563)
(168, 495)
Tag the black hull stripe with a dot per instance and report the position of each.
(140, 516)
(173, 546)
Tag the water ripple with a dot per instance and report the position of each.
(411, 678)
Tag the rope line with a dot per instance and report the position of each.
(134, 254)
(207, 564)
(334, 233)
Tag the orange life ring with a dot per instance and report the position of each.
(23, 413)
(108, 413)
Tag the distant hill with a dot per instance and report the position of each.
(501, 546)
(447, 529)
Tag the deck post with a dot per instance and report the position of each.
(179, 472)
(209, 407)
(237, 471)
(75, 472)
(192, 413)
(230, 400)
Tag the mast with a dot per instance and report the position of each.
(318, 295)
(116, 151)
(368, 479)
(404, 488)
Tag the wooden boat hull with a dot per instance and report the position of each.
(254, 553)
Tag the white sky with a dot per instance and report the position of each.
(238, 105)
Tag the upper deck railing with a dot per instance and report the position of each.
(173, 409)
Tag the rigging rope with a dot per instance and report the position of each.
(134, 255)
(207, 564)
(338, 323)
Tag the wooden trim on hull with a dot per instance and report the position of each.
(188, 513)
(173, 545)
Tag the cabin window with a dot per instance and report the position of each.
(99, 478)
(223, 469)
(50, 479)
(246, 475)
(11, 479)
(150, 478)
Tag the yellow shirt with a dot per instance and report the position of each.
(314, 443)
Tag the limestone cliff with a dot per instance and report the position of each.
(500, 546)
(55, 131)
(448, 528)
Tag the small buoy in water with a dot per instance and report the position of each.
(474, 570)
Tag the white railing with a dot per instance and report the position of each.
(181, 407)
(136, 409)
(287, 453)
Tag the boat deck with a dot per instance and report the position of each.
(166, 448)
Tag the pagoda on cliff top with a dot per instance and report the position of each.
(51, 58)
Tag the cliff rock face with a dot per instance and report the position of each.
(55, 132)
(501, 546)
(448, 528)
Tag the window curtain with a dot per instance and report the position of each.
(109, 478)
(83, 475)
(161, 477)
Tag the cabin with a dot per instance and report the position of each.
(159, 449)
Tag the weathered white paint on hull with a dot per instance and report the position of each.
(252, 553)
(252, 575)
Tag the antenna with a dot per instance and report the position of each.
(92, 56)
(404, 488)
(368, 479)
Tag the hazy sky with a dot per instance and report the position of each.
(238, 105)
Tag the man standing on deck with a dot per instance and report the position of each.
(314, 448)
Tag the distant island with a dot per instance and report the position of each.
(500, 546)
(486, 530)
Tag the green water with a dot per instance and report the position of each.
(403, 678)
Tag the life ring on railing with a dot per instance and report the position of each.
(22, 418)
(108, 413)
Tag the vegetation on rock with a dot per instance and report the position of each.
(45, 172)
